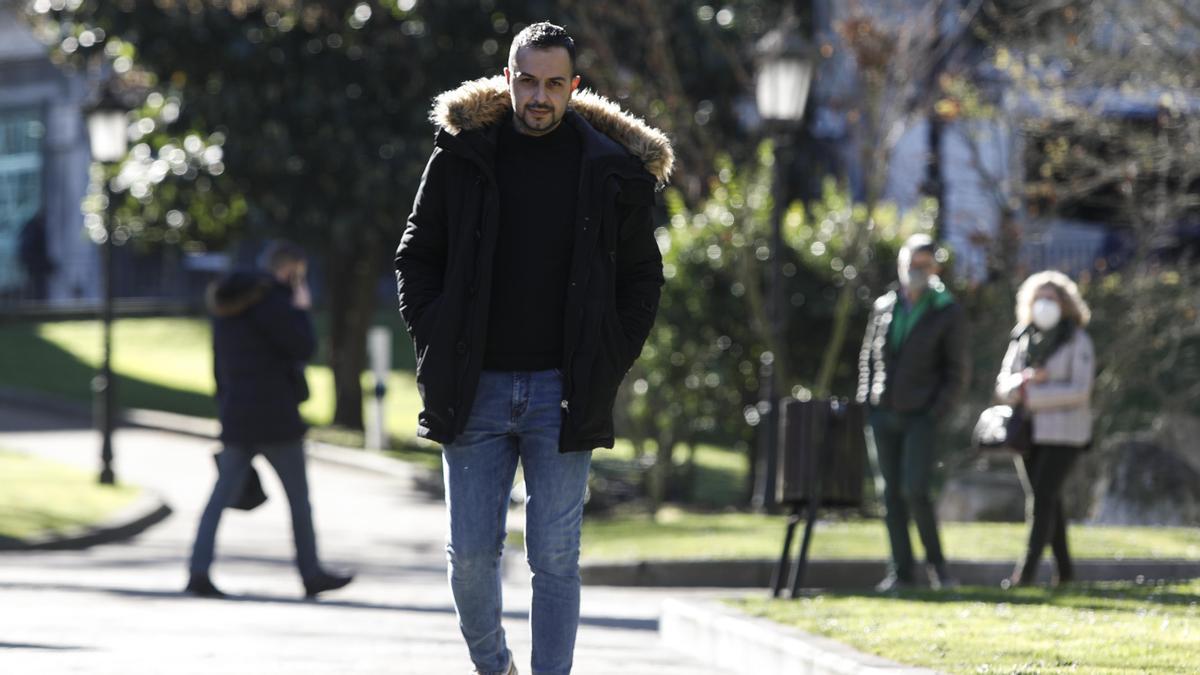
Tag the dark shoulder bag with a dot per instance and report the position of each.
(1003, 429)
(1006, 429)
(251, 495)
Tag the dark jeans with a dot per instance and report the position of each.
(904, 455)
(234, 465)
(1043, 472)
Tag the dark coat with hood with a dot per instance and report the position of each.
(927, 372)
(260, 345)
(444, 261)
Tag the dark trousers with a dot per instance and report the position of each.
(234, 466)
(1043, 472)
(905, 456)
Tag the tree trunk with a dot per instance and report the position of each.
(660, 473)
(353, 276)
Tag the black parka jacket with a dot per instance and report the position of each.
(928, 372)
(444, 261)
(260, 345)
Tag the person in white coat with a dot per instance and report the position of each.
(1049, 370)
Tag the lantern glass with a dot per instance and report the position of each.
(107, 131)
(782, 88)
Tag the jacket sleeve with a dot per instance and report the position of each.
(639, 267)
(288, 328)
(864, 359)
(957, 374)
(421, 257)
(1073, 393)
(1009, 381)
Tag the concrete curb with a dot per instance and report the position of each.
(203, 427)
(858, 574)
(146, 511)
(371, 461)
(724, 637)
(827, 574)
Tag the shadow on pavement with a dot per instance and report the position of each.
(25, 416)
(41, 647)
(376, 570)
(620, 623)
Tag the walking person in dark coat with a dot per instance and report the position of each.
(262, 337)
(1049, 369)
(912, 369)
(529, 277)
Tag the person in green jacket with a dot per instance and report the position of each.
(912, 369)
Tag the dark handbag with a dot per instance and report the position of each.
(251, 495)
(1003, 428)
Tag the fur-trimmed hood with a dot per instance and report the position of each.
(236, 292)
(480, 103)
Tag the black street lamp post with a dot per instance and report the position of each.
(785, 73)
(108, 138)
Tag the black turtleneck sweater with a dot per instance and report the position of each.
(538, 178)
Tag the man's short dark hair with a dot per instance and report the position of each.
(542, 35)
(279, 253)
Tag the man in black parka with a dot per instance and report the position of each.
(529, 278)
(262, 337)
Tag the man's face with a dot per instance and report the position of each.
(292, 273)
(541, 83)
(921, 262)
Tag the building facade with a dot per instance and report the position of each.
(45, 256)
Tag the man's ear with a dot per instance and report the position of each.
(508, 75)
(575, 83)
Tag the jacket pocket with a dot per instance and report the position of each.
(425, 322)
(609, 366)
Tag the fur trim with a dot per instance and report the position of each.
(235, 293)
(479, 103)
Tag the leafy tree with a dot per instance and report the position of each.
(282, 117)
(699, 377)
(1111, 131)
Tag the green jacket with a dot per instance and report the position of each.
(920, 365)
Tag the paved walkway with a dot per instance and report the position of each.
(118, 609)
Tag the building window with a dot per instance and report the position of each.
(22, 225)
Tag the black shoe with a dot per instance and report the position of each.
(325, 582)
(201, 586)
(892, 583)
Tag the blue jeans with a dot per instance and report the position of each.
(515, 416)
(233, 466)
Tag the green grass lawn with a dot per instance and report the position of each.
(166, 364)
(1102, 628)
(677, 534)
(38, 497)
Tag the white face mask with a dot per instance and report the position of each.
(916, 281)
(1046, 313)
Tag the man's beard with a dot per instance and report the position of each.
(547, 122)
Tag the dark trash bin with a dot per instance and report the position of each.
(824, 448)
(822, 463)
